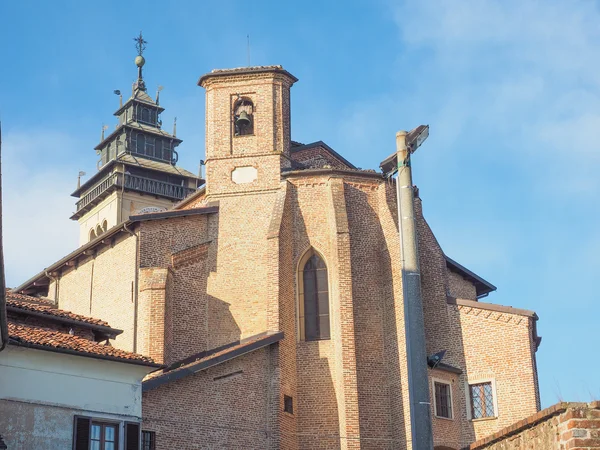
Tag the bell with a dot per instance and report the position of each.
(243, 120)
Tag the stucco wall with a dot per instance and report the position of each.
(41, 391)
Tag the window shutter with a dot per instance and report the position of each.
(81, 429)
(132, 436)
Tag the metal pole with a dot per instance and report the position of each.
(418, 380)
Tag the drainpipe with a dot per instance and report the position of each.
(135, 287)
(55, 280)
(3, 315)
(418, 380)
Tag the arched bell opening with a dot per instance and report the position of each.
(243, 117)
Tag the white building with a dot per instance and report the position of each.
(63, 388)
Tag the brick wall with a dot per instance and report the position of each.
(102, 285)
(226, 406)
(561, 427)
(497, 347)
(459, 287)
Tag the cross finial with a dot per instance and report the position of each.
(140, 44)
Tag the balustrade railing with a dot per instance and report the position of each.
(136, 183)
(156, 187)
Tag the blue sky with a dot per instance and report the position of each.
(510, 89)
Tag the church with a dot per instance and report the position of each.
(270, 289)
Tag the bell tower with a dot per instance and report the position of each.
(247, 128)
(137, 169)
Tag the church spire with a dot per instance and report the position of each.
(140, 45)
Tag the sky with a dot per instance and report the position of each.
(510, 89)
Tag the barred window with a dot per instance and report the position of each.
(148, 440)
(482, 400)
(443, 399)
(314, 299)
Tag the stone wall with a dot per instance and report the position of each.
(561, 427)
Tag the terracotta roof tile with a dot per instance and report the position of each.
(27, 303)
(54, 339)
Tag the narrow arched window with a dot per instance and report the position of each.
(104, 225)
(243, 117)
(92, 234)
(314, 299)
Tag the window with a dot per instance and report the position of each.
(150, 146)
(148, 440)
(140, 146)
(442, 395)
(92, 234)
(314, 298)
(103, 436)
(243, 117)
(288, 404)
(93, 434)
(482, 400)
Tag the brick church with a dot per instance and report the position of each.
(270, 289)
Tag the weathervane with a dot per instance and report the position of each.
(140, 44)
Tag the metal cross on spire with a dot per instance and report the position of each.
(140, 44)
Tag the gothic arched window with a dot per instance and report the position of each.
(314, 298)
(243, 117)
(104, 225)
(92, 234)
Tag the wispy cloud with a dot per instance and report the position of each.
(37, 180)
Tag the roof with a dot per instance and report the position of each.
(482, 287)
(131, 160)
(103, 239)
(19, 302)
(297, 147)
(42, 338)
(45, 310)
(245, 71)
(175, 213)
(204, 360)
(139, 96)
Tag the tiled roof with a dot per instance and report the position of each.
(27, 334)
(27, 303)
(28, 298)
(247, 69)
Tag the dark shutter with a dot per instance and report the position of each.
(81, 430)
(132, 436)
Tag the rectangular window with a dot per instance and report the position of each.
(442, 399)
(288, 404)
(103, 436)
(148, 440)
(98, 434)
(482, 400)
